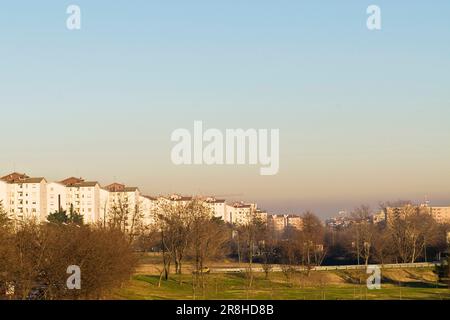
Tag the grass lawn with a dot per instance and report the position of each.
(323, 285)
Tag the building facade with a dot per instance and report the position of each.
(28, 199)
(56, 197)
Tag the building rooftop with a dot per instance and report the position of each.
(31, 180)
(84, 184)
(71, 181)
(115, 187)
(14, 177)
(214, 200)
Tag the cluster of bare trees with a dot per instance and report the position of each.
(126, 216)
(189, 230)
(304, 247)
(34, 259)
(409, 236)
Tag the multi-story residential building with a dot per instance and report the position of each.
(84, 198)
(262, 215)
(379, 217)
(277, 223)
(441, 214)
(393, 213)
(218, 207)
(240, 212)
(283, 222)
(128, 198)
(56, 197)
(28, 199)
(149, 205)
(294, 222)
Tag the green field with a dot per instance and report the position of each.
(405, 284)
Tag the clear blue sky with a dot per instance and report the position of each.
(363, 116)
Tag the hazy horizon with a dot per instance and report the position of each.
(363, 115)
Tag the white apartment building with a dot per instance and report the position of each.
(294, 222)
(277, 222)
(282, 222)
(120, 195)
(28, 199)
(379, 217)
(83, 197)
(149, 206)
(56, 197)
(240, 212)
(218, 207)
(441, 214)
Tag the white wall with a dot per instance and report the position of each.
(56, 197)
(28, 200)
(4, 195)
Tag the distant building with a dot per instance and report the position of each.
(240, 213)
(280, 223)
(149, 206)
(440, 214)
(379, 217)
(295, 222)
(277, 223)
(218, 206)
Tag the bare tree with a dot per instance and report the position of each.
(136, 222)
(409, 232)
(251, 232)
(382, 245)
(311, 240)
(119, 213)
(268, 250)
(34, 259)
(174, 220)
(362, 230)
(207, 240)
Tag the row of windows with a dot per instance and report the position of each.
(33, 186)
(20, 194)
(77, 196)
(20, 210)
(21, 202)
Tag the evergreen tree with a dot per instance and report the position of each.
(61, 217)
(58, 217)
(75, 217)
